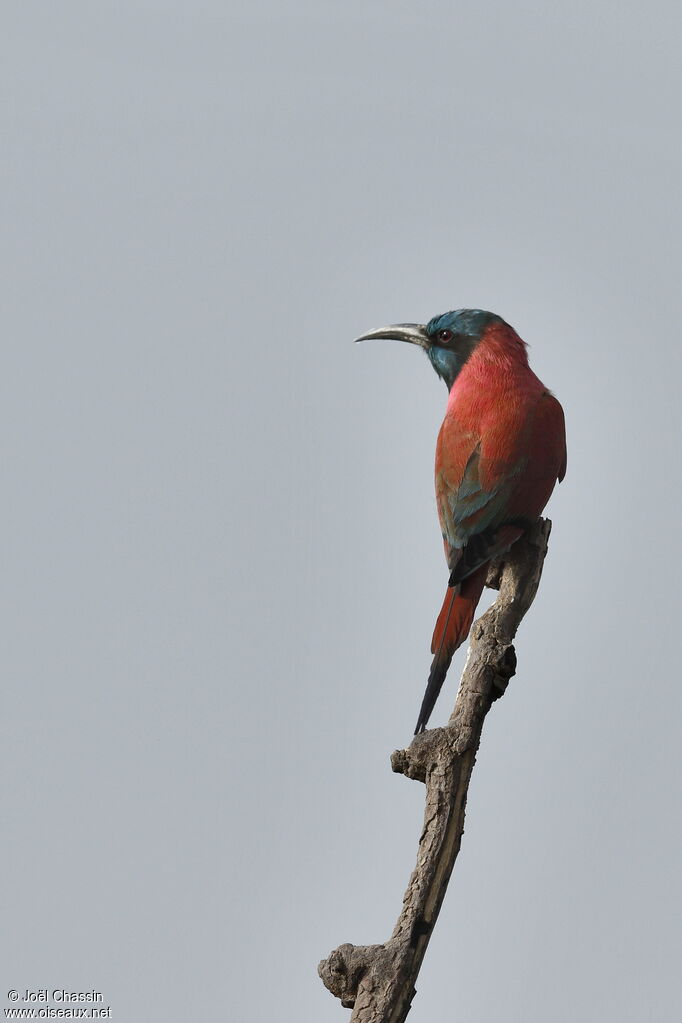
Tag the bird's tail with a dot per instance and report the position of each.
(452, 628)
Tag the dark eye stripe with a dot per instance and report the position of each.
(445, 335)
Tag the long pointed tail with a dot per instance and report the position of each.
(452, 628)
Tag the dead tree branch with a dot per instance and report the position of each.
(378, 981)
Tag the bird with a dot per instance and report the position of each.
(500, 451)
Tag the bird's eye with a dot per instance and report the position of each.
(445, 335)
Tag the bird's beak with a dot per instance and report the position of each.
(413, 333)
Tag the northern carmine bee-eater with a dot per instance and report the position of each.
(500, 450)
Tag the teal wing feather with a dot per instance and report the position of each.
(472, 516)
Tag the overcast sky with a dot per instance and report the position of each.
(221, 560)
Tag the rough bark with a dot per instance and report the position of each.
(377, 981)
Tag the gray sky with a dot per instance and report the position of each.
(221, 558)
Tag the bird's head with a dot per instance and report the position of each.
(448, 340)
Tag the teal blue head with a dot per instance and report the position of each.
(448, 339)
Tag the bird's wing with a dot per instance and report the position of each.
(473, 516)
(497, 478)
(549, 435)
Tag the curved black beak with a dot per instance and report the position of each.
(413, 333)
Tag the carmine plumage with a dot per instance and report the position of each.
(500, 451)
